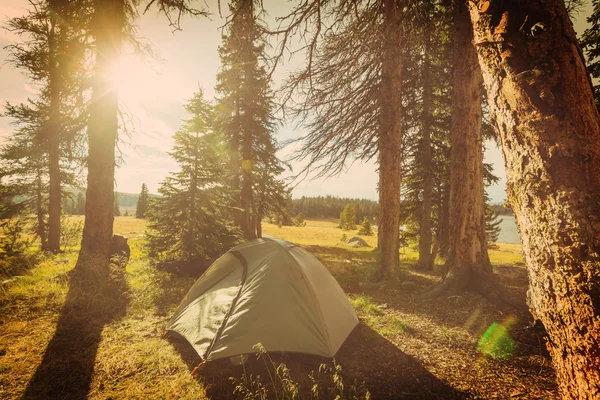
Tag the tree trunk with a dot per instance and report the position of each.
(442, 235)
(107, 30)
(468, 265)
(390, 143)
(246, 193)
(259, 226)
(39, 210)
(53, 140)
(542, 103)
(425, 232)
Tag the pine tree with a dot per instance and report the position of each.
(192, 219)
(348, 218)
(349, 97)
(126, 213)
(365, 227)
(245, 115)
(143, 202)
(553, 181)
(110, 25)
(52, 56)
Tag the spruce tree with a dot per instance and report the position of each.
(52, 56)
(142, 203)
(349, 97)
(348, 218)
(365, 227)
(245, 114)
(192, 219)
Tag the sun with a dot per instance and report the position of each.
(137, 80)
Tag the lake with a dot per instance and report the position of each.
(508, 230)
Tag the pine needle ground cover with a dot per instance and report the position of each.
(60, 342)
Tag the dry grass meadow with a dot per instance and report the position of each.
(62, 343)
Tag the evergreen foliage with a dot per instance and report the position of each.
(245, 116)
(332, 207)
(365, 227)
(299, 220)
(192, 219)
(142, 203)
(39, 158)
(590, 43)
(348, 218)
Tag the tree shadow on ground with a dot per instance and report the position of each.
(68, 363)
(368, 361)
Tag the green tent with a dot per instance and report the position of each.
(265, 291)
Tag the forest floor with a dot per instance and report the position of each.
(58, 341)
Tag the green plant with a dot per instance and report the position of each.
(328, 383)
(70, 233)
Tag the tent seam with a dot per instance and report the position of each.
(244, 263)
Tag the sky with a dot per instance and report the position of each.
(153, 92)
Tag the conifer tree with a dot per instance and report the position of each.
(142, 203)
(348, 218)
(365, 227)
(111, 24)
(52, 55)
(349, 97)
(245, 115)
(192, 219)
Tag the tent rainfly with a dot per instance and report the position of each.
(266, 291)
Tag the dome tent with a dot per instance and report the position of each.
(265, 291)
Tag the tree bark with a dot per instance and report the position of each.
(107, 30)
(39, 210)
(468, 265)
(53, 140)
(246, 193)
(425, 226)
(390, 143)
(542, 102)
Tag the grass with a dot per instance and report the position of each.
(403, 346)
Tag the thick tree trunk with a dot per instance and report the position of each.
(53, 138)
(390, 143)
(468, 265)
(542, 103)
(107, 30)
(425, 232)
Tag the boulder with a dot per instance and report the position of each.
(119, 247)
(356, 241)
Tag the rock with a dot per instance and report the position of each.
(119, 247)
(356, 241)
(408, 286)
